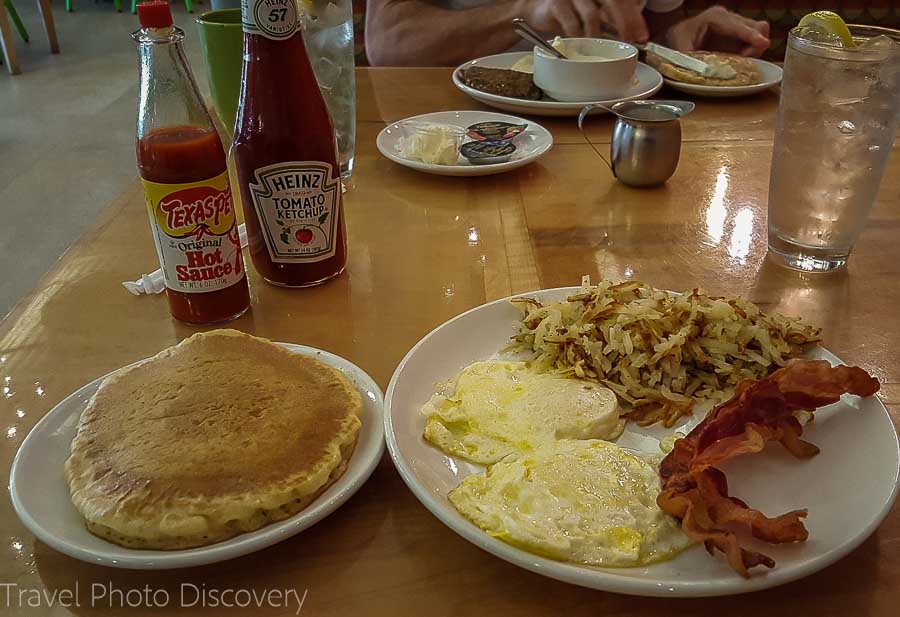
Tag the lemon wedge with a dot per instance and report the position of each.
(827, 22)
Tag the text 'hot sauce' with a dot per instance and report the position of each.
(285, 153)
(185, 178)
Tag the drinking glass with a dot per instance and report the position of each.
(837, 119)
(222, 41)
(328, 33)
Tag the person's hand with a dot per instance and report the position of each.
(718, 29)
(589, 18)
(627, 19)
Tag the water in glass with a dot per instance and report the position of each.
(837, 119)
(328, 33)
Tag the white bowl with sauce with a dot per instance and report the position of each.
(596, 69)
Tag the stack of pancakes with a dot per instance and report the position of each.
(217, 436)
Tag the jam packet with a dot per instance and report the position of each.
(487, 152)
(495, 131)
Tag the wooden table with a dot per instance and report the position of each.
(423, 249)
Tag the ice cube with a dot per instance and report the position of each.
(337, 13)
(881, 42)
(315, 17)
(328, 72)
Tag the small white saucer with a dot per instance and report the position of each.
(530, 145)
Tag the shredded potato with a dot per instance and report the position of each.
(660, 352)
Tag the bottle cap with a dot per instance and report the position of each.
(155, 14)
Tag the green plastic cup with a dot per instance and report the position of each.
(223, 43)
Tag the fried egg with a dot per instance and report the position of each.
(497, 408)
(584, 501)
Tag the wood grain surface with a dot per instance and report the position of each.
(423, 249)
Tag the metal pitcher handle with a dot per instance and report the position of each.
(584, 112)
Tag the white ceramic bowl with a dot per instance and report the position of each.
(606, 75)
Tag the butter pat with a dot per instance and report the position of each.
(434, 144)
(719, 69)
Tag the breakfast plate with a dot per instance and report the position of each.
(647, 81)
(532, 144)
(771, 77)
(847, 489)
(41, 498)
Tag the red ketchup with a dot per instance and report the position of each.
(285, 152)
(183, 169)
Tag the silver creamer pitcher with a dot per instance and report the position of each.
(646, 140)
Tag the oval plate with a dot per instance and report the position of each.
(531, 145)
(771, 77)
(848, 488)
(40, 495)
(647, 82)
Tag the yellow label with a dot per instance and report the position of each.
(195, 233)
(182, 210)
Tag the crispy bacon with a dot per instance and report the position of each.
(696, 492)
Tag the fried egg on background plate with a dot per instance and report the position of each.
(496, 408)
(584, 501)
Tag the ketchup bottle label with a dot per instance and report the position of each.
(273, 19)
(195, 233)
(297, 204)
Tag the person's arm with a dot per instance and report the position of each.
(417, 33)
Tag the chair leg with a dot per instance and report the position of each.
(189, 6)
(7, 43)
(17, 21)
(49, 26)
(68, 6)
(118, 5)
(134, 6)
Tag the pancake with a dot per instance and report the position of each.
(220, 435)
(747, 73)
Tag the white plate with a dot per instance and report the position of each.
(848, 488)
(532, 144)
(647, 82)
(771, 76)
(41, 498)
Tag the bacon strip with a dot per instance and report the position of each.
(696, 492)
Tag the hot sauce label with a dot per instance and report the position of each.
(195, 233)
(273, 19)
(298, 204)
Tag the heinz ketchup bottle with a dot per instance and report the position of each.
(185, 178)
(285, 154)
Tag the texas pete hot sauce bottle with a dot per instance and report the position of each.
(183, 169)
(285, 154)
